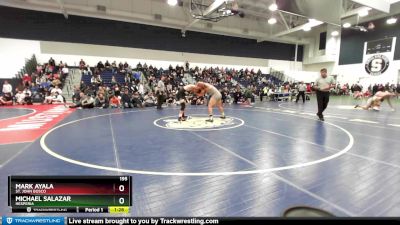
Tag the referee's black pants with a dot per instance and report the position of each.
(303, 96)
(323, 100)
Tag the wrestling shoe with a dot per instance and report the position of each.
(222, 117)
(320, 117)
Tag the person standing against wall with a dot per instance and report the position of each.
(323, 85)
(302, 90)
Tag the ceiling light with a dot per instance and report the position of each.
(363, 13)
(307, 28)
(272, 21)
(346, 25)
(314, 22)
(172, 2)
(273, 7)
(391, 20)
(335, 33)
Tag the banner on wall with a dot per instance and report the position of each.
(378, 59)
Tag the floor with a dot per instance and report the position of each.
(264, 159)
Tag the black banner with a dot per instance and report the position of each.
(210, 220)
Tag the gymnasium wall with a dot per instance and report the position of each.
(352, 41)
(354, 73)
(351, 68)
(92, 54)
(52, 27)
(14, 52)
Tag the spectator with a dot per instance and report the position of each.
(136, 101)
(56, 89)
(149, 100)
(107, 65)
(225, 94)
(263, 92)
(126, 99)
(100, 66)
(56, 83)
(101, 101)
(113, 81)
(96, 80)
(7, 88)
(6, 99)
(20, 98)
(115, 102)
(114, 64)
(65, 72)
(82, 64)
(187, 66)
(85, 102)
(28, 96)
(87, 71)
(52, 62)
(271, 94)
(237, 95)
(170, 99)
(76, 96)
(141, 88)
(39, 69)
(27, 80)
(54, 98)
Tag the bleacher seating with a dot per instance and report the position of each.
(106, 76)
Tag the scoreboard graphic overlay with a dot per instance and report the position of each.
(74, 194)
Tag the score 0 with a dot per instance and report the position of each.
(123, 186)
(122, 190)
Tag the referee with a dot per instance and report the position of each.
(323, 85)
(160, 92)
(302, 92)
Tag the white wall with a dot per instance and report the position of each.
(316, 67)
(283, 65)
(356, 73)
(315, 59)
(305, 76)
(92, 54)
(13, 53)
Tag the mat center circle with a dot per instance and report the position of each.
(198, 123)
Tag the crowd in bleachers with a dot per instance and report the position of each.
(125, 86)
(112, 85)
(111, 81)
(44, 85)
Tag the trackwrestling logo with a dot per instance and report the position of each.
(198, 123)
